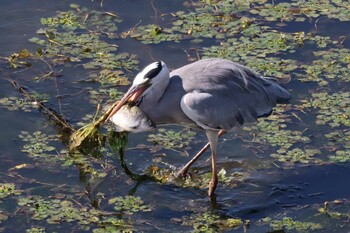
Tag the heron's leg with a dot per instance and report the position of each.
(213, 140)
(183, 171)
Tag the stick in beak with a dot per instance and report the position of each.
(133, 94)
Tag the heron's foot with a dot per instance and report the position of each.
(212, 186)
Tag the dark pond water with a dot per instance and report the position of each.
(287, 173)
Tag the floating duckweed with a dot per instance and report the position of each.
(339, 141)
(202, 222)
(14, 103)
(273, 132)
(290, 224)
(281, 11)
(56, 211)
(110, 77)
(303, 10)
(262, 42)
(3, 216)
(341, 156)
(296, 155)
(200, 24)
(231, 179)
(101, 93)
(36, 230)
(333, 109)
(153, 34)
(339, 138)
(37, 145)
(91, 20)
(70, 47)
(331, 65)
(129, 204)
(209, 222)
(8, 189)
(63, 43)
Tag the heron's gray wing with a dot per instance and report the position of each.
(222, 94)
(211, 111)
(227, 107)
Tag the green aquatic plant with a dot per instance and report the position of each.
(96, 95)
(281, 11)
(36, 230)
(333, 109)
(297, 155)
(209, 221)
(14, 103)
(218, 20)
(275, 133)
(302, 10)
(232, 179)
(57, 211)
(129, 204)
(153, 34)
(202, 222)
(291, 145)
(338, 138)
(339, 144)
(112, 224)
(83, 18)
(77, 35)
(110, 77)
(73, 47)
(171, 139)
(8, 189)
(329, 65)
(38, 145)
(3, 216)
(341, 156)
(289, 224)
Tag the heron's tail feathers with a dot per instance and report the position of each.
(278, 90)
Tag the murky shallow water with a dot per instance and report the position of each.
(268, 191)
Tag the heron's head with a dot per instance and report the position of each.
(149, 77)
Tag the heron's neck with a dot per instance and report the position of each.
(151, 99)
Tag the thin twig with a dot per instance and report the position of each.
(155, 11)
(58, 118)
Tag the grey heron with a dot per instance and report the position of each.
(213, 94)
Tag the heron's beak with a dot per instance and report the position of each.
(133, 94)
